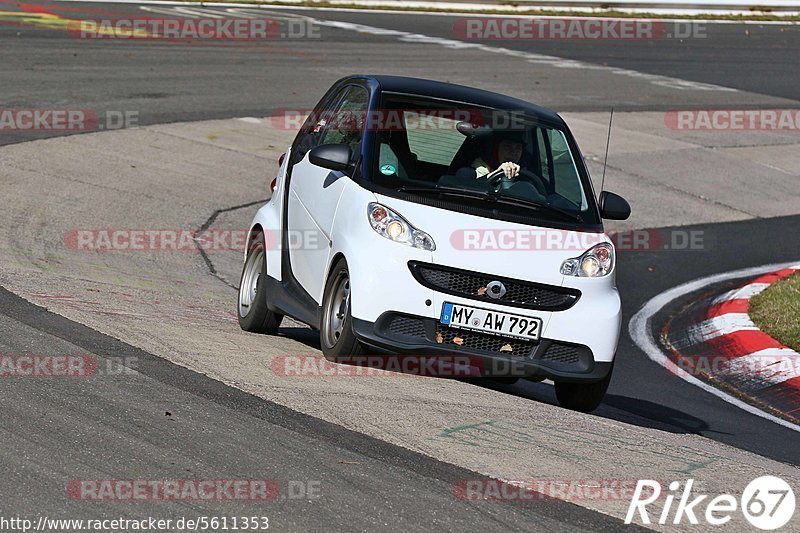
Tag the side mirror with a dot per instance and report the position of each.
(331, 156)
(614, 206)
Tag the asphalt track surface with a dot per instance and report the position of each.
(168, 82)
(94, 426)
(182, 425)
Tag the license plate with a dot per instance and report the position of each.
(494, 322)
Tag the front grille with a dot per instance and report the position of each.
(481, 341)
(474, 286)
(561, 353)
(406, 326)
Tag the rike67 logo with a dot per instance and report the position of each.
(767, 502)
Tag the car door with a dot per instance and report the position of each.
(314, 191)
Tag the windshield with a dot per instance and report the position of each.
(480, 157)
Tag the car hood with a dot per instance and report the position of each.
(495, 247)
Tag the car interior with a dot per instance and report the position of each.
(420, 157)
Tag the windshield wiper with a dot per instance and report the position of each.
(452, 191)
(491, 196)
(522, 202)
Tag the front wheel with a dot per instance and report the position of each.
(583, 397)
(336, 328)
(252, 310)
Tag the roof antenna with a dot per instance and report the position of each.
(608, 142)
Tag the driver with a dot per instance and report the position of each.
(504, 152)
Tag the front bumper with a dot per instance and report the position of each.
(425, 337)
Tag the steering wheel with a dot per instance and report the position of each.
(495, 179)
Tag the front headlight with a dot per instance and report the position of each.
(597, 262)
(395, 228)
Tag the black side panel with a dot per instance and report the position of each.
(288, 298)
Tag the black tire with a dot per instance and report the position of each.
(583, 397)
(336, 335)
(252, 310)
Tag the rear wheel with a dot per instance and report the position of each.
(253, 313)
(583, 397)
(336, 327)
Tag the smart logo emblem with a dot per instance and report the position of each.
(767, 503)
(496, 290)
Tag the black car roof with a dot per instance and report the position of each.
(452, 91)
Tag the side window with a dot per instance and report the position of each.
(568, 183)
(347, 123)
(315, 125)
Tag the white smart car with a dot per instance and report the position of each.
(425, 218)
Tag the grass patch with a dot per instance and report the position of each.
(500, 10)
(777, 311)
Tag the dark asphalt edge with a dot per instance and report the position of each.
(186, 380)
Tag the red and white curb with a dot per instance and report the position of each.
(723, 352)
(730, 332)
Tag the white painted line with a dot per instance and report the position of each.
(720, 325)
(744, 293)
(641, 324)
(188, 11)
(454, 44)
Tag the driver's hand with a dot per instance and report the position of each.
(510, 169)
